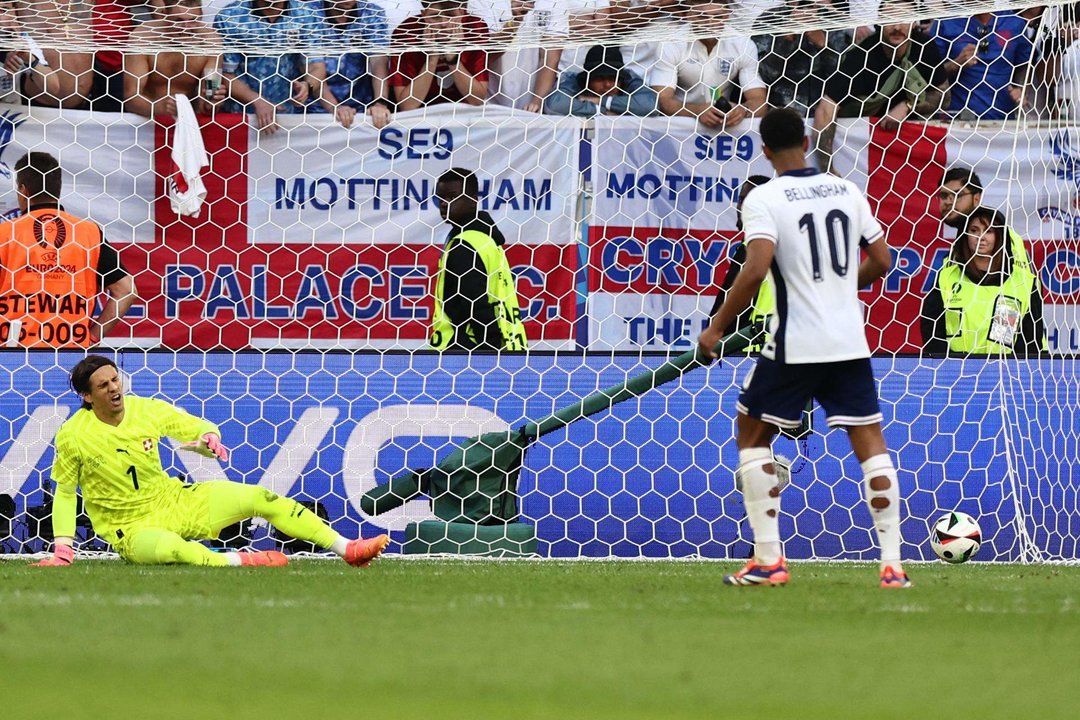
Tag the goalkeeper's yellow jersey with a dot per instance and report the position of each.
(119, 468)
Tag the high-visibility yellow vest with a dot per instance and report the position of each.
(501, 291)
(969, 307)
(761, 311)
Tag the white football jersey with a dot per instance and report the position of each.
(817, 222)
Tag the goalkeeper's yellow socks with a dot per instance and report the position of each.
(883, 498)
(761, 497)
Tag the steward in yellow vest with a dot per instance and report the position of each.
(476, 304)
(985, 301)
(53, 266)
(758, 314)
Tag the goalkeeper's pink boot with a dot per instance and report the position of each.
(894, 578)
(755, 574)
(263, 558)
(360, 552)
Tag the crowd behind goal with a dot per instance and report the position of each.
(379, 57)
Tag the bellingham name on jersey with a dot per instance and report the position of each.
(818, 224)
(816, 192)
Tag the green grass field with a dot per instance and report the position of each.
(446, 639)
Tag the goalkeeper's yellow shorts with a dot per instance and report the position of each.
(194, 512)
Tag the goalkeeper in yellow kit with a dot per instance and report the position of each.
(109, 448)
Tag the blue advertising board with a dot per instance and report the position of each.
(651, 478)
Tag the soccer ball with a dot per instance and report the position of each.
(956, 537)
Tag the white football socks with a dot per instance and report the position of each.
(884, 506)
(338, 546)
(761, 496)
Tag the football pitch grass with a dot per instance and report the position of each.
(459, 639)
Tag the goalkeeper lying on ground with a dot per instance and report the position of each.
(109, 448)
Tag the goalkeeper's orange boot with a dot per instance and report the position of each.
(263, 558)
(360, 552)
(756, 574)
(894, 578)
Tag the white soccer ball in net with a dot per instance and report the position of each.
(956, 537)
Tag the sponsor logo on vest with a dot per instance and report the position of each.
(51, 266)
(50, 231)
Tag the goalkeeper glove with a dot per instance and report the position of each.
(62, 556)
(209, 445)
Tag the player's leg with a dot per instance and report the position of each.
(760, 486)
(882, 493)
(850, 401)
(772, 396)
(231, 502)
(157, 546)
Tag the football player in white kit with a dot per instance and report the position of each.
(807, 230)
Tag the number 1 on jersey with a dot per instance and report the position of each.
(839, 253)
(134, 476)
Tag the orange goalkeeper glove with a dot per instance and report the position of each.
(62, 556)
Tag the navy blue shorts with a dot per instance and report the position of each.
(777, 393)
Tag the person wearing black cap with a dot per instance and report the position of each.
(605, 86)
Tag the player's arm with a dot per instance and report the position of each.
(118, 284)
(878, 260)
(65, 473)
(195, 433)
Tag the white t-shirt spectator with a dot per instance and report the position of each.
(696, 73)
(574, 57)
(512, 74)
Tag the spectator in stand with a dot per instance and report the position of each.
(523, 78)
(280, 81)
(1060, 62)
(453, 74)
(987, 57)
(587, 22)
(795, 66)
(983, 302)
(698, 78)
(642, 20)
(152, 80)
(49, 77)
(355, 81)
(604, 87)
(894, 74)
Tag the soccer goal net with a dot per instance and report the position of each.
(267, 171)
